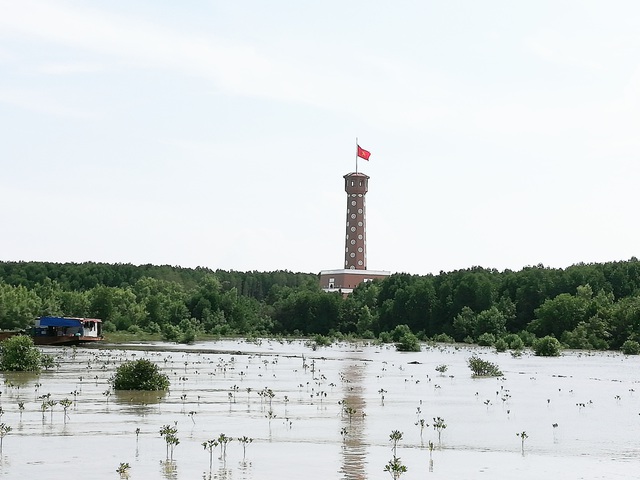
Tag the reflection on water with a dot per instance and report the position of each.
(354, 450)
(169, 469)
(222, 473)
(20, 379)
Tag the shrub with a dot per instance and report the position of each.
(47, 361)
(408, 343)
(139, 374)
(483, 368)
(443, 338)
(516, 343)
(170, 333)
(399, 332)
(153, 328)
(527, 337)
(546, 347)
(322, 340)
(501, 345)
(486, 339)
(385, 337)
(19, 354)
(109, 327)
(134, 329)
(441, 369)
(631, 347)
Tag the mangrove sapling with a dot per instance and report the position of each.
(210, 445)
(395, 468)
(4, 430)
(441, 369)
(51, 404)
(191, 414)
(439, 426)
(169, 434)
(66, 403)
(47, 361)
(123, 470)
(350, 412)
(21, 409)
(223, 440)
(269, 394)
(395, 437)
(344, 432)
(43, 408)
(422, 424)
(382, 391)
(244, 441)
(523, 436)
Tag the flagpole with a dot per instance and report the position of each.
(356, 154)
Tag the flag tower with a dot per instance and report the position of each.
(354, 270)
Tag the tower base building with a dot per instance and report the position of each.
(344, 281)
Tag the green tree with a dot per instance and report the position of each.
(139, 374)
(18, 306)
(560, 314)
(631, 347)
(546, 347)
(465, 324)
(490, 321)
(19, 354)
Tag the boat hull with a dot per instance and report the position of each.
(63, 340)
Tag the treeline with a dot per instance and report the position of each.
(591, 306)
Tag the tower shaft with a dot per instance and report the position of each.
(355, 257)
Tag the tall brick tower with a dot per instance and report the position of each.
(355, 256)
(354, 269)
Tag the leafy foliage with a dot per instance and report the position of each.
(547, 347)
(20, 354)
(483, 368)
(631, 347)
(139, 374)
(594, 306)
(405, 340)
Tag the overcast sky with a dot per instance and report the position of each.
(216, 133)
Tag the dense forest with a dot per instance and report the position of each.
(587, 306)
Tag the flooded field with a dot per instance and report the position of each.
(329, 414)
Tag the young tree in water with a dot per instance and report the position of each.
(19, 354)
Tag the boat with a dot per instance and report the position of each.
(66, 331)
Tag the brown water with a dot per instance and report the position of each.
(308, 434)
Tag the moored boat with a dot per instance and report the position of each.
(66, 331)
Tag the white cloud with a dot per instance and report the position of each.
(39, 101)
(71, 68)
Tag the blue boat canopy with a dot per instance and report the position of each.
(60, 322)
